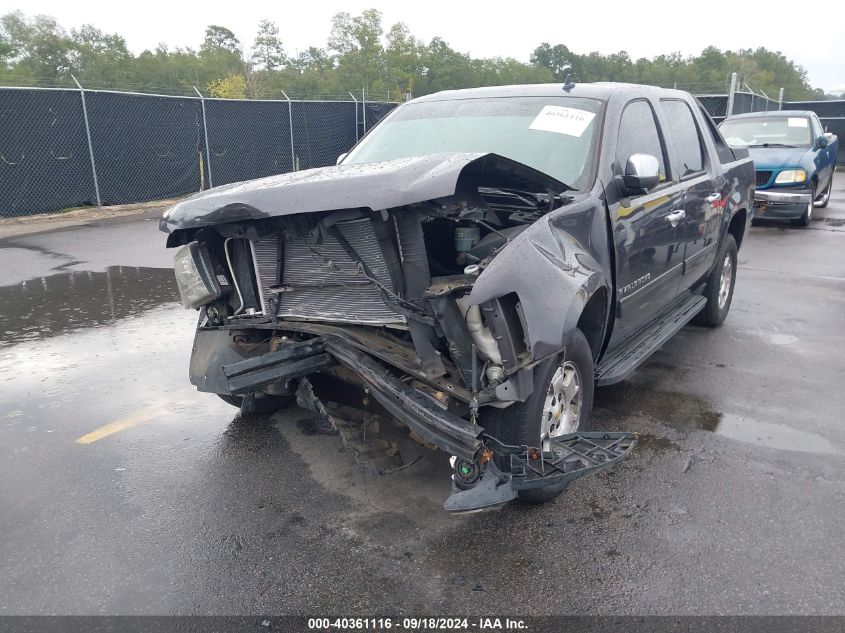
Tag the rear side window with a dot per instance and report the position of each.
(638, 135)
(686, 141)
(724, 152)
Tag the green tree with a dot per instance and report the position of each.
(356, 41)
(219, 39)
(402, 60)
(558, 59)
(231, 87)
(268, 51)
(358, 56)
(98, 57)
(41, 48)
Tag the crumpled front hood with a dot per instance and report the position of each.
(774, 158)
(376, 186)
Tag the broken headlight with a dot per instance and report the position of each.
(196, 277)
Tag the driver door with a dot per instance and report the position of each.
(647, 237)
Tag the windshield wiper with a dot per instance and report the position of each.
(772, 145)
(535, 200)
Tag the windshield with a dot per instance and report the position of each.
(781, 131)
(554, 135)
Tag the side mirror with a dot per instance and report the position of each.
(340, 158)
(642, 172)
(822, 141)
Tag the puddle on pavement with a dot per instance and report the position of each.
(49, 306)
(82, 349)
(749, 430)
(684, 411)
(687, 412)
(656, 443)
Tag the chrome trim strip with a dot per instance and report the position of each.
(700, 252)
(651, 283)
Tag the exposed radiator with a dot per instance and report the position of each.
(323, 279)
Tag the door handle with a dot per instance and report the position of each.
(675, 217)
(713, 197)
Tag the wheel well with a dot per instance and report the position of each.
(737, 226)
(593, 320)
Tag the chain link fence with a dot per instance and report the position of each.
(716, 105)
(743, 102)
(65, 148)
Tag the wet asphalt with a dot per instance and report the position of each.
(733, 503)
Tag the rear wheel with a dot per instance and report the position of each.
(720, 286)
(263, 403)
(561, 403)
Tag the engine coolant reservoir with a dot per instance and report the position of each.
(466, 237)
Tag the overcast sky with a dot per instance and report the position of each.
(643, 28)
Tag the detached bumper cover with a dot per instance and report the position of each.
(570, 457)
(775, 197)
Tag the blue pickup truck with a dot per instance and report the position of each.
(793, 157)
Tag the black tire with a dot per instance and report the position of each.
(263, 404)
(520, 423)
(805, 219)
(713, 314)
(826, 195)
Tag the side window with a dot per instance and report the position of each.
(722, 150)
(638, 135)
(682, 129)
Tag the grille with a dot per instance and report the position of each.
(323, 278)
(763, 177)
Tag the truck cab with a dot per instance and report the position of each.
(473, 268)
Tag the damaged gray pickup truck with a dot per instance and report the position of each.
(473, 267)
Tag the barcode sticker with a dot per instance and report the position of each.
(562, 120)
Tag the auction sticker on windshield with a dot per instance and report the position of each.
(797, 122)
(562, 120)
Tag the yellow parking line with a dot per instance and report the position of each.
(144, 415)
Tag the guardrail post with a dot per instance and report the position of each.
(290, 126)
(205, 134)
(730, 109)
(90, 145)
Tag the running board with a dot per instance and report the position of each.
(482, 486)
(620, 363)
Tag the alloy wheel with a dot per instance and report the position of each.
(725, 281)
(562, 409)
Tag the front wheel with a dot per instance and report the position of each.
(720, 286)
(561, 403)
(823, 199)
(805, 219)
(263, 403)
